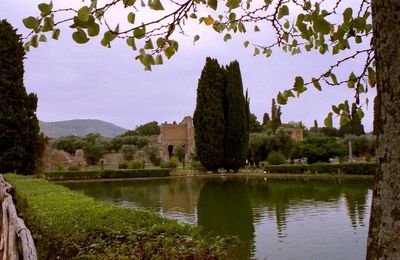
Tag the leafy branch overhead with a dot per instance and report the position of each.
(151, 30)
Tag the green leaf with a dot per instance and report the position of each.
(94, 30)
(193, 16)
(42, 38)
(232, 17)
(31, 23)
(360, 113)
(245, 44)
(159, 60)
(241, 27)
(169, 52)
(148, 60)
(267, 52)
(344, 119)
(280, 99)
(283, 11)
(316, 84)
(347, 15)
(84, 14)
(352, 80)
(129, 2)
(286, 25)
(131, 42)
(139, 33)
(160, 42)
(45, 9)
(227, 37)
(256, 51)
(56, 34)
(256, 29)
(213, 4)
(156, 5)
(149, 45)
(34, 41)
(328, 120)
(335, 109)
(371, 76)
(196, 38)
(298, 85)
(360, 88)
(48, 24)
(334, 79)
(233, 4)
(107, 38)
(174, 45)
(321, 25)
(80, 36)
(131, 18)
(287, 94)
(307, 6)
(358, 39)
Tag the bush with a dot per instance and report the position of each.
(153, 153)
(172, 163)
(74, 167)
(105, 174)
(128, 151)
(123, 165)
(345, 168)
(60, 167)
(69, 225)
(197, 166)
(135, 164)
(276, 158)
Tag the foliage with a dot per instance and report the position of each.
(71, 225)
(262, 144)
(151, 128)
(276, 158)
(171, 163)
(93, 152)
(21, 145)
(104, 174)
(319, 149)
(361, 145)
(197, 166)
(236, 116)
(123, 165)
(180, 152)
(135, 164)
(69, 143)
(139, 141)
(73, 167)
(343, 168)
(254, 125)
(128, 151)
(354, 125)
(153, 153)
(208, 118)
(275, 116)
(60, 167)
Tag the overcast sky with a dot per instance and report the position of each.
(92, 82)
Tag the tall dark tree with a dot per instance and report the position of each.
(254, 125)
(21, 144)
(208, 118)
(357, 128)
(275, 115)
(236, 119)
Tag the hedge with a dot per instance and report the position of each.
(344, 168)
(69, 225)
(104, 174)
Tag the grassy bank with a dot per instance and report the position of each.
(69, 225)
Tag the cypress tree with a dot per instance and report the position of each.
(20, 142)
(236, 120)
(208, 118)
(275, 116)
(357, 127)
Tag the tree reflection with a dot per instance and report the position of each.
(224, 209)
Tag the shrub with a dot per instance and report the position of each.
(123, 165)
(74, 167)
(276, 158)
(69, 225)
(172, 163)
(153, 153)
(128, 151)
(60, 167)
(344, 168)
(135, 164)
(197, 166)
(105, 174)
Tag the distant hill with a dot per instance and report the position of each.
(80, 127)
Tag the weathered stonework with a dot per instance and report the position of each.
(177, 134)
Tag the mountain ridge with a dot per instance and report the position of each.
(80, 127)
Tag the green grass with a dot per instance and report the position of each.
(68, 225)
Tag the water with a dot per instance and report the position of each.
(274, 218)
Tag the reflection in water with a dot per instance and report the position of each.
(225, 209)
(277, 219)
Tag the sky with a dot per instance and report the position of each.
(93, 82)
